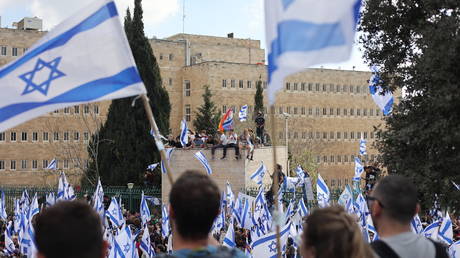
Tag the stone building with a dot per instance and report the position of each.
(329, 110)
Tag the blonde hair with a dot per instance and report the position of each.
(334, 233)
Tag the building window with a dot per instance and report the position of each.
(76, 136)
(280, 134)
(332, 159)
(365, 112)
(249, 84)
(331, 135)
(45, 164)
(317, 112)
(331, 111)
(318, 135)
(351, 88)
(352, 112)
(310, 135)
(76, 109)
(345, 158)
(161, 56)
(296, 135)
(86, 109)
(3, 51)
(324, 87)
(96, 109)
(371, 112)
(188, 113)
(338, 111)
(302, 86)
(358, 89)
(295, 110)
(310, 111)
(15, 51)
(24, 50)
(280, 109)
(358, 112)
(171, 57)
(66, 164)
(345, 135)
(13, 136)
(241, 84)
(365, 135)
(13, 165)
(288, 86)
(45, 136)
(304, 135)
(288, 110)
(66, 110)
(352, 135)
(86, 136)
(224, 109)
(339, 158)
(325, 159)
(295, 86)
(224, 83)
(339, 135)
(56, 136)
(23, 164)
(302, 111)
(310, 86)
(324, 111)
(338, 88)
(2, 137)
(324, 135)
(232, 83)
(170, 81)
(371, 134)
(56, 111)
(34, 164)
(345, 112)
(66, 136)
(331, 87)
(317, 86)
(2, 165)
(34, 136)
(187, 88)
(358, 135)
(352, 158)
(377, 112)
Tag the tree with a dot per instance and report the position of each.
(259, 98)
(128, 147)
(207, 116)
(417, 46)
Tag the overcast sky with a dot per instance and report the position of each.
(164, 18)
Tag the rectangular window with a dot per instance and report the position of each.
(332, 159)
(23, 164)
(295, 86)
(302, 111)
(317, 86)
(3, 51)
(324, 111)
(365, 112)
(345, 112)
(170, 81)
(45, 136)
(56, 111)
(358, 112)
(86, 109)
(351, 88)
(66, 164)
(310, 111)
(288, 86)
(66, 110)
(224, 109)
(345, 135)
(45, 164)
(171, 57)
(232, 83)
(324, 135)
(288, 110)
(12, 136)
(331, 111)
(324, 87)
(224, 83)
(371, 134)
(358, 135)
(318, 159)
(295, 110)
(96, 109)
(339, 135)
(241, 84)
(302, 86)
(317, 112)
(34, 136)
(24, 136)
(365, 135)
(358, 89)
(34, 164)
(304, 135)
(86, 136)
(76, 136)
(338, 88)
(338, 111)
(344, 88)
(188, 112)
(296, 135)
(310, 135)
(13, 165)
(331, 87)
(2, 137)
(2, 165)
(325, 159)
(352, 112)
(249, 84)
(187, 88)
(318, 135)
(377, 112)
(371, 112)
(56, 136)
(76, 109)
(352, 135)
(280, 110)
(331, 135)
(310, 86)
(15, 51)
(352, 158)
(66, 136)
(345, 159)
(280, 135)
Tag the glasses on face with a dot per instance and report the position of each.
(370, 199)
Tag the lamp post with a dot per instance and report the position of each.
(130, 188)
(286, 117)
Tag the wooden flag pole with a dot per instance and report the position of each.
(275, 184)
(156, 134)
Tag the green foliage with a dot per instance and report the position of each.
(125, 147)
(259, 98)
(417, 46)
(207, 116)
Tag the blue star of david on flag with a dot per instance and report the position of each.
(39, 69)
(272, 247)
(126, 247)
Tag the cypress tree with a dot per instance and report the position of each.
(207, 117)
(259, 98)
(125, 147)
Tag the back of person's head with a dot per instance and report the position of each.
(398, 198)
(331, 232)
(195, 201)
(69, 229)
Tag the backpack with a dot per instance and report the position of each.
(385, 251)
(221, 252)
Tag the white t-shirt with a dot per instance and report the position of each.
(232, 138)
(223, 139)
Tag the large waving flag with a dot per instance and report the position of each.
(124, 244)
(359, 169)
(226, 122)
(322, 192)
(169, 152)
(446, 232)
(243, 115)
(202, 158)
(454, 250)
(431, 231)
(383, 99)
(9, 244)
(265, 246)
(52, 165)
(183, 133)
(259, 174)
(345, 197)
(146, 244)
(84, 59)
(301, 33)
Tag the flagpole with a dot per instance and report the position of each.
(275, 184)
(156, 135)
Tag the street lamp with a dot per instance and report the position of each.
(130, 188)
(286, 117)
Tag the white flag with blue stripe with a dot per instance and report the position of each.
(454, 250)
(322, 192)
(259, 174)
(359, 169)
(146, 244)
(243, 114)
(202, 158)
(50, 200)
(446, 233)
(302, 33)
(265, 246)
(183, 133)
(169, 152)
(431, 231)
(52, 165)
(165, 227)
(3, 215)
(151, 167)
(416, 225)
(84, 59)
(114, 213)
(456, 185)
(145, 211)
(362, 147)
(303, 210)
(345, 196)
(9, 244)
(229, 239)
(383, 99)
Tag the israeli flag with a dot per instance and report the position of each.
(27, 242)
(431, 231)
(359, 169)
(362, 147)
(169, 152)
(229, 196)
(153, 200)
(265, 246)
(219, 222)
(200, 156)
(371, 228)
(243, 115)
(345, 196)
(416, 225)
(124, 243)
(114, 213)
(50, 200)
(303, 210)
(164, 222)
(52, 165)
(3, 215)
(454, 250)
(84, 59)
(151, 167)
(246, 215)
(33, 209)
(259, 174)
(146, 244)
(145, 211)
(383, 99)
(446, 232)
(183, 133)
(98, 200)
(302, 33)
(299, 172)
(9, 244)
(322, 192)
(229, 239)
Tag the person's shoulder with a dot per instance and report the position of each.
(209, 252)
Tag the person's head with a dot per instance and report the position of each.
(69, 229)
(195, 201)
(393, 199)
(331, 232)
